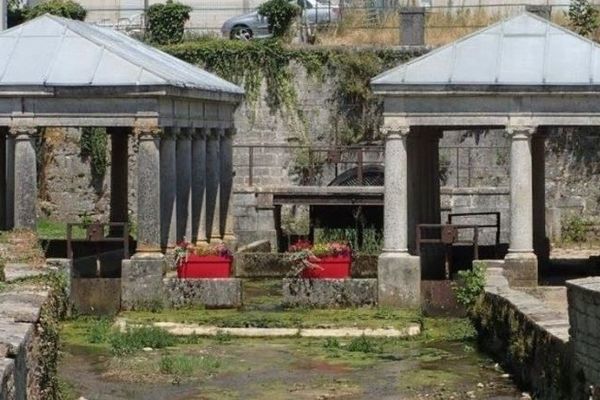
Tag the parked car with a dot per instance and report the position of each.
(254, 25)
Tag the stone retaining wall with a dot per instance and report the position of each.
(530, 339)
(584, 314)
(329, 292)
(28, 342)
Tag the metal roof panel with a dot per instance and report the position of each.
(523, 50)
(55, 51)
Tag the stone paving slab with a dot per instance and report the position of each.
(22, 306)
(180, 329)
(12, 335)
(14, 272)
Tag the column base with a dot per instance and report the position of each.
(399, 280)
(141, 281)
(521, 268)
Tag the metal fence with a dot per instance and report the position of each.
(355, 21)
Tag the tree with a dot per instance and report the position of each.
(280, 14)
(583, 17)
(166, 22)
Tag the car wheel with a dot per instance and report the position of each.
(241, 32)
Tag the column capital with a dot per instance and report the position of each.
(520, 132)
(184, 133)
(199, 133)
(147, 132)
(18, 130)
(394, 128)
(215, 133)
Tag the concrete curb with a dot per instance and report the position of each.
(180, 329)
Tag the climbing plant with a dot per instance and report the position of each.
(166, 22)
(94, 145)
(268, 62)
(61, 8)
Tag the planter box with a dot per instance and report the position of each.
(204, 267)
(329, 267)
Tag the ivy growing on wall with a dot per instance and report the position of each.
(94, 146)
(250, 63)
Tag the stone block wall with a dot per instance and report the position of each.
(528, 338)
(584, 315)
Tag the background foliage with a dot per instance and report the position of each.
(61, 8)
(166, 22)
(280, 15)
(583, 17)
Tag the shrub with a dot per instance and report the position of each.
(472, 283)
(135, 339)
(583, 17)
(166, 22)
(573, 229)
(280, 14)
(61, 8)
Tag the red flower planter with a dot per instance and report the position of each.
(335, 267)
(204, 267)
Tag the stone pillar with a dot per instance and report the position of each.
(199, 186)
(149, 190)
(184, 186)
(399, 274)
(3, 191)
(119, 167)
(168, 192)
(141, 276)
(213, 184)
(227, 222)
(521, 262)
(412, 26)
(10, 181)
(25, 172)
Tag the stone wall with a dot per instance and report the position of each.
(528, 338)
(28, 342)
(584, 315)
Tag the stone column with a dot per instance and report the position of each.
(10, 181)
(168, 193)
(199, 186)
(399, 274)
(227, 222)
(119, 167)
(213, 184)
(3, 14)
(521, 262)
(3, 191)
(141, 276)
(184, 185)
(25, 172)
(149, 190)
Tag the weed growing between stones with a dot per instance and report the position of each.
(471, 284)
(99, 331)
(364, 344)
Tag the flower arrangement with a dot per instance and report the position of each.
(184, 249)
(307, 257)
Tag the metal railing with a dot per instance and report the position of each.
(339, 158)
(460, 166)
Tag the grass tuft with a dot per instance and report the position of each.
(136, 338)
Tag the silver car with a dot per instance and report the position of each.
(254, 25)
